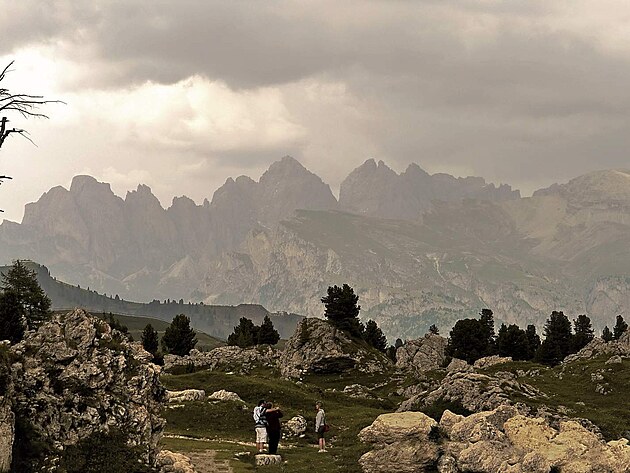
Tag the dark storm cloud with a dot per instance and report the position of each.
(519, 91)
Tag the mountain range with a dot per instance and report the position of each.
(418, 248)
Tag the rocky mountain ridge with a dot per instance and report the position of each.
(448, 247)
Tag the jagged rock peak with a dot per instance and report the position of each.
(82, 181)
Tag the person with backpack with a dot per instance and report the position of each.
(260, 421)
(320, 426)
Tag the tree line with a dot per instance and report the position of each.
(471, 339)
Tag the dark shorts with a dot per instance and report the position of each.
(320, 432)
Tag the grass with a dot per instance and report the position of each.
(227, 420)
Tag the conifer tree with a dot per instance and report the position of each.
(583, 332)
(342, 309)
(267, 334)
(468, 340)
(245, 334)
(558, 340)
(150, 339)
(12, 319)
(399, 343)
(512, 341)
(374, 336)
(433, 329)
(620, 327)
(23, 282)
(179, 337)
(607, 335)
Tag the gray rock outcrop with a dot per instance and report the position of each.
(488, 361)
(7, 435)
(76, 377)
(318, 347)
(423, 354)
(171, 462)
(295, 427)
(187, 395)
(223, 395)
(597, 346)
(498, 441)
(230, 358)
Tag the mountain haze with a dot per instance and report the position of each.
(418, 248)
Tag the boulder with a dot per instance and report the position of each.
(170, 462)
(267, 460)
(223, 395)
(423, 354)
(487, 361)
(187, 395)
(389, 428)
(319, 347)
(502, 440)
(75, 377)
(358, 391)
(295, 427)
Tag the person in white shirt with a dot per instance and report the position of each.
(320, 426)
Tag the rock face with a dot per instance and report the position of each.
(426, 353)
(230, 358)
(318, 347)
(76, 377)
(497, 441)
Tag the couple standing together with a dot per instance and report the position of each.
(267, 419)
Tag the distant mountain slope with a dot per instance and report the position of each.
(215, 320)
(419, 248)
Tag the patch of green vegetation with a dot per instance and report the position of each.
(5, 369)
(346, 415)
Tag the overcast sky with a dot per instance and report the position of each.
(180, 95)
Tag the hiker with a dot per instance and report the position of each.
(260, 420)
(320, 426)
(273, 416)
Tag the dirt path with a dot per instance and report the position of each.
(205, 462)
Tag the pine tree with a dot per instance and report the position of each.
(245, 334)
(558, 340)
(267, 334)
(12, 319)
(179, 337)
(487, 321)
(607, 335)
(533, 341)
(23, 282)
(512, 341)
(342, 310)
(620, 327)
(434, 330)
(374, 336)
(399, 343)
(468, 340)
(583, 332)
(150, 339)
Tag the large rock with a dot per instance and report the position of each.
(223, 395)
(487, 361)
(402, 443)
(497, 441)
(230, 358)
(268, 460)
(187, 395)
(389, 428)
(170, 462)
(295, 427)
(77, 377)
(318, 347)
(426, 353)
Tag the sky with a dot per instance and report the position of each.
(181, 95)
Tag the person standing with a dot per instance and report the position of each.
(320, 426)
(260, 426)
(273, 427)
